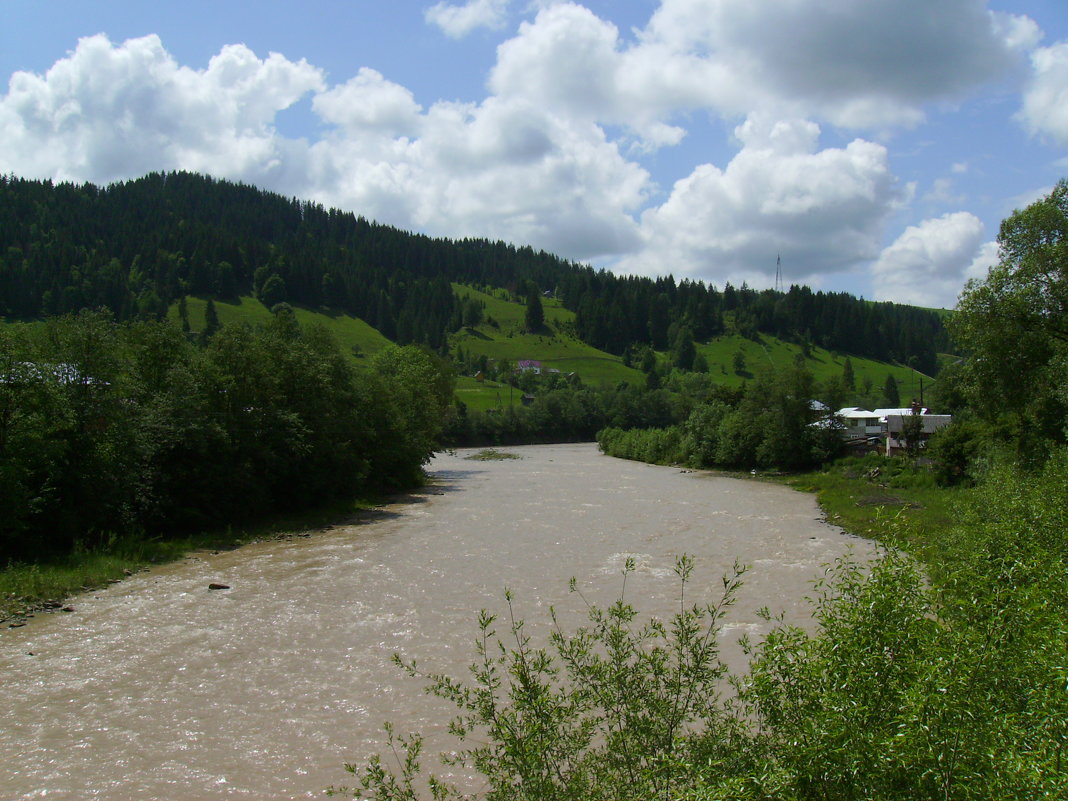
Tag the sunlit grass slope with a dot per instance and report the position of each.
(506, 339)
(355, 336)
(768, 351)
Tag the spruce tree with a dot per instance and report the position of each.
(211, 320)
(890, 392)
(848, 378)
(535, 318)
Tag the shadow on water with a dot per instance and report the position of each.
(439, 477)
(441, 483)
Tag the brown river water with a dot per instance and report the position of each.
(159, 688)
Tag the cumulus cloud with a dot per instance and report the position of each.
(369, 102)
(458, 21)
(501, 169)
(870, 64)
(822, 210)
(929, 263)
(109, 111)
(1045, 107)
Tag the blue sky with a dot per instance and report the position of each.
(875, 145)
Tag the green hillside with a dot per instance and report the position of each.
(355, 336)
(768, 351)
(502, 337)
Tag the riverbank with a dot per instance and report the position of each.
(890, 501)
(28, 589)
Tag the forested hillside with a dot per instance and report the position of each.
(138, 246)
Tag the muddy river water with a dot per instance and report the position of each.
(160, 688)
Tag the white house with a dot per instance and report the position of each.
(895, 425)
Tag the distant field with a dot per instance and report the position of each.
(478, 397)
(351, 332)
(557, 348)
(774, 353)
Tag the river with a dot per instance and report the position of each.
(161, 688)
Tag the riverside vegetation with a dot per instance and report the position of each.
(939, 671)
(117, 440)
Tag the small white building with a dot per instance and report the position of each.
(895, 425)
(868, 428)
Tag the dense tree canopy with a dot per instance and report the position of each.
(116, 429)
(1014, 325)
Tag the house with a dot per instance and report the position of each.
(895, 426)
(863, 428)
(528, 366)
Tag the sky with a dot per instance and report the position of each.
(865, 146)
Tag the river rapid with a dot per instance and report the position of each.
(160, 688)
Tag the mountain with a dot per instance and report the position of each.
(137, 247)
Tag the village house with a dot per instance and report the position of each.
(865, 425)
(881, 429)
(895, 426)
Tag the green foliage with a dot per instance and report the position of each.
(415, 388)
(891, 395)
(110, 429)
(653, 445)
(1013, 327)
(535, 315)
(770, 425)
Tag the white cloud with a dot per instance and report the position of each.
(369, 102)
(500, 169)
(822, 210)
(1045, 108)
(458, 21)
(942, 193)
(109, 111)
(871, 64)
(928, 264)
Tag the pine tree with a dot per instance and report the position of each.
(535, 317)
(890, 392)
(211, 320)
(848, 378)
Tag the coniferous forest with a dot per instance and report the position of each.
(137, 246)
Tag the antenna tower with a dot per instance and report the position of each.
(778, 273)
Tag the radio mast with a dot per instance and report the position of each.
(778, 273)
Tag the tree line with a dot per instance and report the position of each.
(137, 246)
(128, 429)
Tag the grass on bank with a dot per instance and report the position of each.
(864, 495)
(28, 588)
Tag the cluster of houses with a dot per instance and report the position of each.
(884, 429)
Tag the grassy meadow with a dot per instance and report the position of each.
(356, 337)
(768, 351)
